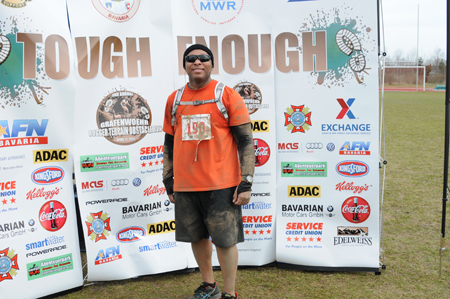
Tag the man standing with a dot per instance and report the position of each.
(208, 168)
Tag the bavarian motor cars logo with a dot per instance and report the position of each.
(123, 118)
(117, 10)
(98, 226)
(53, 215)
(130, 234)
(8, 264)
(217, 12)
(352, 168)
(47, 175)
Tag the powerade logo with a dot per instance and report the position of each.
(47, 175)
(130, 234)
(33, 131)
(352, 168)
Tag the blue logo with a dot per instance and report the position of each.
(137, 182)
(330, 147)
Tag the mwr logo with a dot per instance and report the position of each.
(303, 191)
(357, 148)
(33, 131)
(251, 94)
(343, 186)
(47, 175)
(355, 209)
(110, 254)
(352, 168)
(8, 264)
(130, 234)
(345, 108)
(217, 12)
(352, 236)
(117, 10)
(288, 147)
(297, 119)
(260, 126)
(257, 206)
(161, 227)
(53, 155)
(92, 186)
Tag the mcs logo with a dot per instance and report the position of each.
(33, 131)
(110, 254)
(92, 185)
(345, 109)
(287, 146)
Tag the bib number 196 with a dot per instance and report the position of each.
(196, 127)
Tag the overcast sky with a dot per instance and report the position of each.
(400, 26)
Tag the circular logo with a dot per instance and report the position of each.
(314, 145)
(31, 222)
(98, 226)
(217, 12)
(262, 152)
(120, 182)
(5, 48)
(355, 209)
(117, 10)
(167, 202)
(5, 264)
(53, 215)
(137, 182)
(126, 117)
(251, 95)
(330, 147)
(330, 209)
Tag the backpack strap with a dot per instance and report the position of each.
(219, 93)
(176, 103)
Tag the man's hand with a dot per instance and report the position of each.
(242, 199)
(171, 198)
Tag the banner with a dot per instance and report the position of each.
(39, 249)
(327, 129)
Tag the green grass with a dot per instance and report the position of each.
(412, 221)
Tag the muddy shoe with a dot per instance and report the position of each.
(204, 291)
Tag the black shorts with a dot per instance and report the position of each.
(199, 215)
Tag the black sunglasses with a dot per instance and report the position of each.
(193, 58)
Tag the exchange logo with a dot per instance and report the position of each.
(303, 169)
(346, 129)
(53, 155)
(356, 148)
(53, 215)
(98, 225)
(352, 168)
(130, 234)
(297, 119)
(47, 175)
(110, 254)
(346, 109)
(355, 209)
(8, 264)
(33, 131)
(217, 12)
(117, 10)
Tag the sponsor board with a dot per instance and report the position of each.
(9, 264)
(50, 155)
(355, 148)
(30, 131)
(297, 119)
(355, 209)
(101, 162)
(98, 226)
(142, 210)
(163, 227)
(47, 175)
(303, 169)
(304, 191)
(130, 234)
(352, 168)
(289, 148)
(352, 236)
(50, 266)
(52, 215)
(260, 126)
(262, 152)
(306, 210)
(108, 255)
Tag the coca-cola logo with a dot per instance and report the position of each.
(53, 215)
(349, 186)
(47, 175)
(355, 209)
(154, 190)
(36, 193)
(262, 152)
(352, 168)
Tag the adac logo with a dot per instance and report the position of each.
(297, 119)
(8, 264)
(260, 126)
(130, 234)
(262, 152)
(53, 215)
(346, 108)
(161, 227)
(356, 148)
(217, 12)
(303, 191)
(51, 155)
(355, 209)
(110, 254)
(352, 168)
(33, 131)
(98, 225)
(117, 10)
(15, 3)
(47, 175)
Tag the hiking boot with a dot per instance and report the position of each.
(228, 296)
(204, 291)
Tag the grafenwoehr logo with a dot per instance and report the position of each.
(117, 10)
(217, 12)
(297, 119)
(8, 264)
(15, 3)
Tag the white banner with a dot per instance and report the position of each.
(39, 249)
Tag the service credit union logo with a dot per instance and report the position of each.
(47, 175)
(130, 234)
(53, 215)
(117, 10)
(355, 209)
(262, 152)
(217, 12)
(33, 131)
(352, 168)
(8, 264)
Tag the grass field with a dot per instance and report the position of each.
(412, 220)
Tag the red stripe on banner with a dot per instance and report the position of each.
(23, 141)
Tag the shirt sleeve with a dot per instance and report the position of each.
(167, 126)
(236, 108)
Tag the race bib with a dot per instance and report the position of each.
(196, 127)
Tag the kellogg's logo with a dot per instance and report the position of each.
(352, 168)
(217, 12)
(42, 193)
(47, 175)
(130, 234)
(154, 190)
(53, 215)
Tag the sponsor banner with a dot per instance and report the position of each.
(51, 266)
(304, 169)
(103, 162)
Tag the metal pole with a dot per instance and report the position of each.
(417, 59)
(446, 145)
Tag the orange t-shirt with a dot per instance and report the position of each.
(205, 154)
